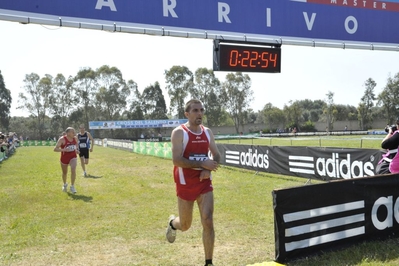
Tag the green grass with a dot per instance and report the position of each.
(119, 214)
(351, 141)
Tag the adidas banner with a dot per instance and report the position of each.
(308, 162)
(317, 217)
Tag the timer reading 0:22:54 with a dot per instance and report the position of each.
(241, 58)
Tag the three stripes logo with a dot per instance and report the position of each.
(301, 164)
(308, 228)
(233, 157)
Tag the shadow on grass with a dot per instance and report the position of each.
(80, 197)
(92, 176)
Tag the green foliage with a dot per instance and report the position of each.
(237, 95)
(308, 127)
(273, 117)
(153, 102)
(365, 106)
(180, 81)
(118, 216)
(121, 210)
(5, 104)
(312, 141)
(388, 99)
(103, 94)
(293, 114)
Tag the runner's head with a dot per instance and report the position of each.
(82, 128)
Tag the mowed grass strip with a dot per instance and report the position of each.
(119, 214)
(347, 141)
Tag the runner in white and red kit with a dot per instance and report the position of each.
(191, 145)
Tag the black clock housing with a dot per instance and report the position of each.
(246, 57)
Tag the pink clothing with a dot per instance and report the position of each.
(394, 164)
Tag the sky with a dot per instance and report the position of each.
(306, 72)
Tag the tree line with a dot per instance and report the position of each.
(103, 94)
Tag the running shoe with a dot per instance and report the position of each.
(84, 174)
(72, 189)
(170, 232)
(65, 187)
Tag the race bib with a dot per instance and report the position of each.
(198, 157)
(82, 145)
(70, 148)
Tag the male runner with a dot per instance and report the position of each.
(191, 144)
(67, 145)
(86, 143)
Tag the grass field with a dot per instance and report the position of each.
(119, 215)
(349, 141)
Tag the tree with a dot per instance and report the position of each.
(205, 83)
(273, 117)
(237, 96)
(111, 98)
(179, 80)
(21, 125)
(311, 110)
(153, 102)
(5, 104)
(293, 114)
(330, 111)
(389, 99)
(366, 104)
(207, 89)
(136, 106)
(85, 87)
(345, 112)
(62, 101)
(37, 99)
(215, 112)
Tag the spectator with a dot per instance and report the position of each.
(3, 144)
(390, 161)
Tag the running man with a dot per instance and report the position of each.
(86, 143)
(191, 143)
(68, 146)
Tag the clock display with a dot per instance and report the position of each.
(247, 58)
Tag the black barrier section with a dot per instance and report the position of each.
(308, 162)
(324, 216)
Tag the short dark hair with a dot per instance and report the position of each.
(187, 107)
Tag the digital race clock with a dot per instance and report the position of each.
(246, 57)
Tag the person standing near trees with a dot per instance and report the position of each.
(86, 143)
(68, 146)
(191, 143)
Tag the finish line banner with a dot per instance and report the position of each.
(309, 162)
(318, 217)
(368, 21)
